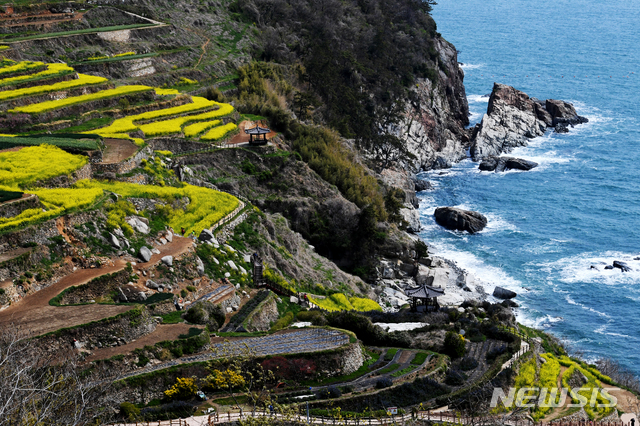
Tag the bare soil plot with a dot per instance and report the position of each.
(118, 150)
(34, 313)
(163, 332)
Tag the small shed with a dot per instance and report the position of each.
(424, 295)
(257, 135)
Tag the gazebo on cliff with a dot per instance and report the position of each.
(257, 135)
(425, 295)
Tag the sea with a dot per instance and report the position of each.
(581, 207)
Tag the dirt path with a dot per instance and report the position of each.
(118, 150)
(12, 254)
(204, 52)
(34, 313)
(163, 332)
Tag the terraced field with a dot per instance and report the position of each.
(36, 93)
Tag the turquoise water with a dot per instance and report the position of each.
(581, 207)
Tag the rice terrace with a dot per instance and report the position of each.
(196, 226)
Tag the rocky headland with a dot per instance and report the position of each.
(513, 118)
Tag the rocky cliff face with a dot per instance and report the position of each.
(437, 115)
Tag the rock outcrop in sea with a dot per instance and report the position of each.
(501, 164)
(513, 118)
(460, 220)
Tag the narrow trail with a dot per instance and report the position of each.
(33, 313)
(204, 52)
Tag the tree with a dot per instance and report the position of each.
(239, 371)
(184, 389)
(39, 388)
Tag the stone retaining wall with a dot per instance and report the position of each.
(109, 332)
(262, 317)
(15, 207)
(124, 166)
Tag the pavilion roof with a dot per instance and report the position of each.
(257, 131)
(424, 292)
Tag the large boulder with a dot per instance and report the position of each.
(503, 293)
(206, 236)
(621, 265)
(199, 266)
(501, 164)
(460, 220)
(563, 113)
(167, 260)
(138, 223)
(412, 217)
(145, 254)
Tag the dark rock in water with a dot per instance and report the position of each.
(441, 163)
(500, 164)
(461, 220)
(562, 128)
(636, 258)
(563, 112)
(608, 267)
(593, 267)
(509, 304)
(422, 185)
(621, 265)
(541, 112)
(503, 293)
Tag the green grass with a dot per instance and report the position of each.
(390, 354)
(404, 371)
(94, 123)
(9, 195)
(172, 317)
(419, 358)
(74, 32)
(61, 142)
(389, 369)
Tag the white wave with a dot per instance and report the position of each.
(476, 99)
(543, 321)
(586, 308)
(578, 269)
(603, 330)
(497, 224)
(465, 66)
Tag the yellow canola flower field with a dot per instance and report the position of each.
(165, 92)
(20, 67)
(21, 168)
(206, 206)
(196, 129)
(57, 200)
(219, 132)
(52, 69)
(82, 80)
(168, 127)
(61, 103)
(127, 124)
(339, 302)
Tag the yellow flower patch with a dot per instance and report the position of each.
(219, 132)
(28, 165)
(83, 80)
(196, 129)
(52, 69)
(20, 67)
(61, 103)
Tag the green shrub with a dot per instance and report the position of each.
(454, 344)
(283, 322)
(130, 412)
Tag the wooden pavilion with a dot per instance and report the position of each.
(257, 135)
(425, 295)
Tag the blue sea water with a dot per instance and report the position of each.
(581, 206)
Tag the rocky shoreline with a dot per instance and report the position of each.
(512, 119)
